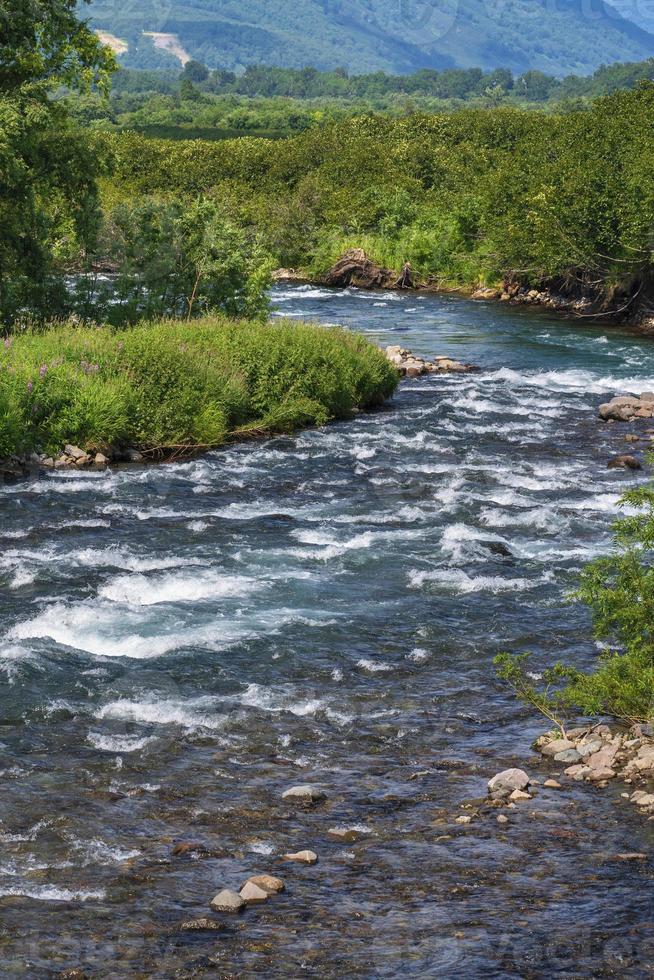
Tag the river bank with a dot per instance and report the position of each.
(631, 306)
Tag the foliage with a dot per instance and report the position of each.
(542, 692)
(466, 197)
(176, 259)
(48, 193)
(263, 100)
(619, 592)
(172, 385)
(42, 42)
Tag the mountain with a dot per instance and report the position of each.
(641, 13)
(566, 36)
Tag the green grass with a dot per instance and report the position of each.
(176, 386)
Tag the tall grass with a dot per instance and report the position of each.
(177, 385)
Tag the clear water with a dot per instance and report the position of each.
(180, 644)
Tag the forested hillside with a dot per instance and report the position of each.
(371, 35)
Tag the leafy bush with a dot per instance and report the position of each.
(173, 384)
(619, 591)
(177, 259)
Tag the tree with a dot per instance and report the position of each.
(48, 193)
(195, 71)
(44, 42)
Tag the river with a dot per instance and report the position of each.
(180, 644)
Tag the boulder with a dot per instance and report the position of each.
(267, 883)
(227, 901)
(200, 925)
(504, 783)
(568, 756)
(252, 894)
(354, 268)
(556, 746)
(74, 452)
(343, 834)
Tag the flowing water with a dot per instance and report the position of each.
(180, 644)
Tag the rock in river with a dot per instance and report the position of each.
(302, 857)
(252, 894)
(303, 794)
(504, 783)
(267, 883)
(624, 462)
(227, 901)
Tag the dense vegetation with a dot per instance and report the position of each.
(619, 592)
(467, 197)
(48, 170)
(374, 35)
(173, 385)
(197, 103)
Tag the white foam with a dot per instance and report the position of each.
(192, 714)
(53, 893)
(141, 590)
(98, 629)
(118, 743)
(373, 666)
(456, 580)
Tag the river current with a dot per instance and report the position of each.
(180, 644)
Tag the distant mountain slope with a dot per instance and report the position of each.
(569, 36)
(640, 12)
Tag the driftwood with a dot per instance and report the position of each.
(356, 269)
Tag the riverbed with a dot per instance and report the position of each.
(179, 644)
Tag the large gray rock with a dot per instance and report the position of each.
(504, 783)
(569, 756)
(227, 901)
(556, 746)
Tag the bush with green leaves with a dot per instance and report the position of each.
(619, 592)
(176, 259)
(180, 386)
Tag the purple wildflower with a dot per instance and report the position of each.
(43, 370)
(30, 386)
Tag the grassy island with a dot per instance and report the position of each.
(180, 387)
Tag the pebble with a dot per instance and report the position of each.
(267, 883)
(552, 784)
(463, 819)
(302, 857)
(518, 794)
(227, 901)
(303, 794)
(502, 819)
(252, 894)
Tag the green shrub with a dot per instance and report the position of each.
(619, 591)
